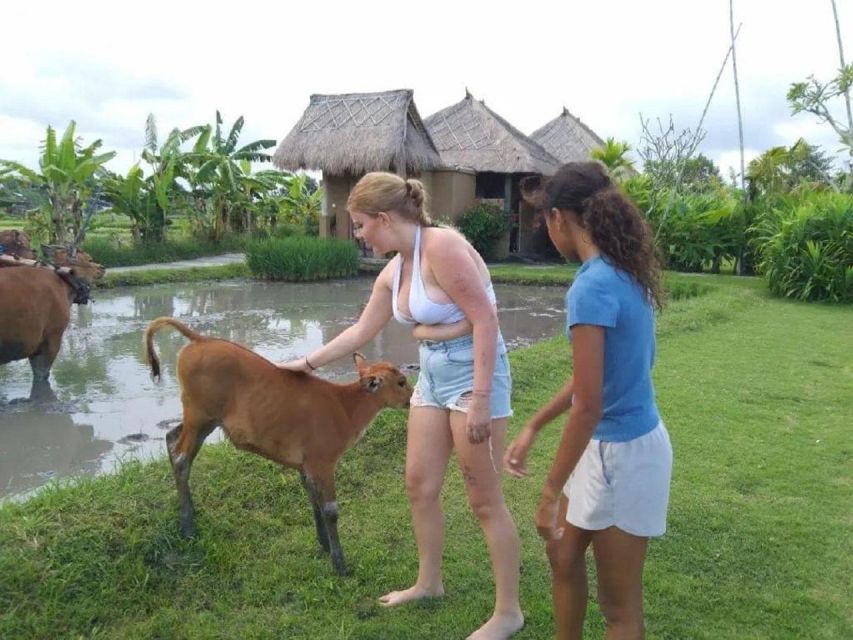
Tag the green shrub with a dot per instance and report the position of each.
(302, 258)
(112, 254)
(696, 230)
(483, 225)
(807, 248)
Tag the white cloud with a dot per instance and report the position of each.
(107, 67)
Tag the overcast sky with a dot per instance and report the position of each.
(108, 64)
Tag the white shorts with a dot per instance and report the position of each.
(622, 484)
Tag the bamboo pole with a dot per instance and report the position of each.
(737, 92)
(846, 91)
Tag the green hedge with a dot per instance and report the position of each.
(302, 258)
(807, 249)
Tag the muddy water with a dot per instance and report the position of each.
(107, 409)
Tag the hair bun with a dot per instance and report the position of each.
(415, 190)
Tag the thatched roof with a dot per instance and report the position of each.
(469, 134)
(567, 138)
(354, 133)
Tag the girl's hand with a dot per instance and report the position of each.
(295, 365)
(479, 418)
(546, 515)
(515, 457)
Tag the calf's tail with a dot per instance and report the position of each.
(148, 340)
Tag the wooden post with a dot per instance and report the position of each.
(325, 220)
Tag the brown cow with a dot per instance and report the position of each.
(16, 243)
(35, 307)
(298, 420)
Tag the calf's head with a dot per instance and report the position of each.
(385, 380)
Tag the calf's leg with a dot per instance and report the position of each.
(314, 498)
(324, 480)
(183, 443)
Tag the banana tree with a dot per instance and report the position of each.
(66, 176)
(301, 205)
(148, 200)
(224, 176)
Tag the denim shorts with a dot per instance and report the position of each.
(447, 373)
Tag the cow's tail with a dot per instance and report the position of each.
(148, 340)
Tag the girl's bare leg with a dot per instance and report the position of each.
(428, 450)
(480, 465)
(619, 559)
(568, 577)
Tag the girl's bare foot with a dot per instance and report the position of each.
(412, 593)
(499, 627)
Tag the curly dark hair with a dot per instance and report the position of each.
(611, 218)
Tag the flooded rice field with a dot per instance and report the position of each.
(106, 407)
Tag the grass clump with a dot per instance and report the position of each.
(302, 258)
(183, 274)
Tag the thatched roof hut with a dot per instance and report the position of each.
(353, 133)
(567, 138)
(469, 134)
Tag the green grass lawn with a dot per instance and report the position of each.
(757, 397)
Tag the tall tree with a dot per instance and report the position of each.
(813, 96)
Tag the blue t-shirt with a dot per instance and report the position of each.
(604, 295)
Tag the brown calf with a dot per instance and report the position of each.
(298, 420)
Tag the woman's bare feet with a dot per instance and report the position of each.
(499, 627)
(407, 595)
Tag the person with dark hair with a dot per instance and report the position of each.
(609, 483)
(439, 284)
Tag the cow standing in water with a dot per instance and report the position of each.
(35, 308)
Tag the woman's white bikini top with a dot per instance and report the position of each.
(424, 310)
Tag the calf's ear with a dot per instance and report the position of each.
(360, 361)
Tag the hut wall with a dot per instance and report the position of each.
(452, 192)
(337, 192)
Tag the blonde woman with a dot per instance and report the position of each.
(438, 284)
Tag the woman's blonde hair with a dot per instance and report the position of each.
(379, 191)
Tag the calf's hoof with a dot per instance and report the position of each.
(188, 530)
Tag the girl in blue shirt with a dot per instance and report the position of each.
(609, 484)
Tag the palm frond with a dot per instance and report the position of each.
(192, 132)
(257, 145)
(207, 171)
(67, 152)
(203, 140)
(234, 135)
(26, 172)
(217, 138)
(229, 174)
(50, 150)
(252, 157)
(151, 133)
